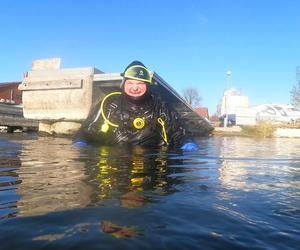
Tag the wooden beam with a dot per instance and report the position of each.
(17, 121)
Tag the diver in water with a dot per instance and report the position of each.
(134, 116)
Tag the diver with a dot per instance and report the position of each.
(134, 116)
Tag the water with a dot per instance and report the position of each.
(235, 193)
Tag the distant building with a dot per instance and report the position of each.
(203, 111)
(231, 101)
(9, 93)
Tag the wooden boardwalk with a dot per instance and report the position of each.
(11, 116)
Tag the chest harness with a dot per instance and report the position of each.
(138, 122)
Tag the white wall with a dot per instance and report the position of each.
(230, 103)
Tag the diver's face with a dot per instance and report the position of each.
(135, 88)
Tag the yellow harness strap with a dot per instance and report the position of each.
(162, 123)
(105, 125)
(138, 122)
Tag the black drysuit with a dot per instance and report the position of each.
(119, 110)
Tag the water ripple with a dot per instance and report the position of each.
(232, 194)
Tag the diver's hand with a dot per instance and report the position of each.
(80, 143)
(190, 147)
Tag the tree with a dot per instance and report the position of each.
(192, 97)
(295, 95)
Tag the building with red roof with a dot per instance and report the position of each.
(203, 111)
(9, 93)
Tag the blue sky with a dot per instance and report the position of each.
(190, 43)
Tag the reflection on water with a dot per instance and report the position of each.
(50, 174)
(233, 193)
(51, 178)
(125, 173)
(247, 163)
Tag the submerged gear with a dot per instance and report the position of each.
(137, 71)
(118, 121)
(189, 147)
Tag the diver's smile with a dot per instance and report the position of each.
(135, 88)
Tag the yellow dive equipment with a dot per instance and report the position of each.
(162, 123)
(139, 123)
(104, 127)
(107, 123)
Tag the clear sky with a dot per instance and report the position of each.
(190, 43)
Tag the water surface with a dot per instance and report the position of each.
(234, 193)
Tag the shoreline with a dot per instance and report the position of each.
(263, 130)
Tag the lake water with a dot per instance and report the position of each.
(234, 193)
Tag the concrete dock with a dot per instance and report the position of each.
(61, 98)
(11, 117)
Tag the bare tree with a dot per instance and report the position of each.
(295, 95)
(192, 96)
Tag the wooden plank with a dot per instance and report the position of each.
(108, 84)
(10, 109)
(57, 84)
(12, 116)
(17, 121)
